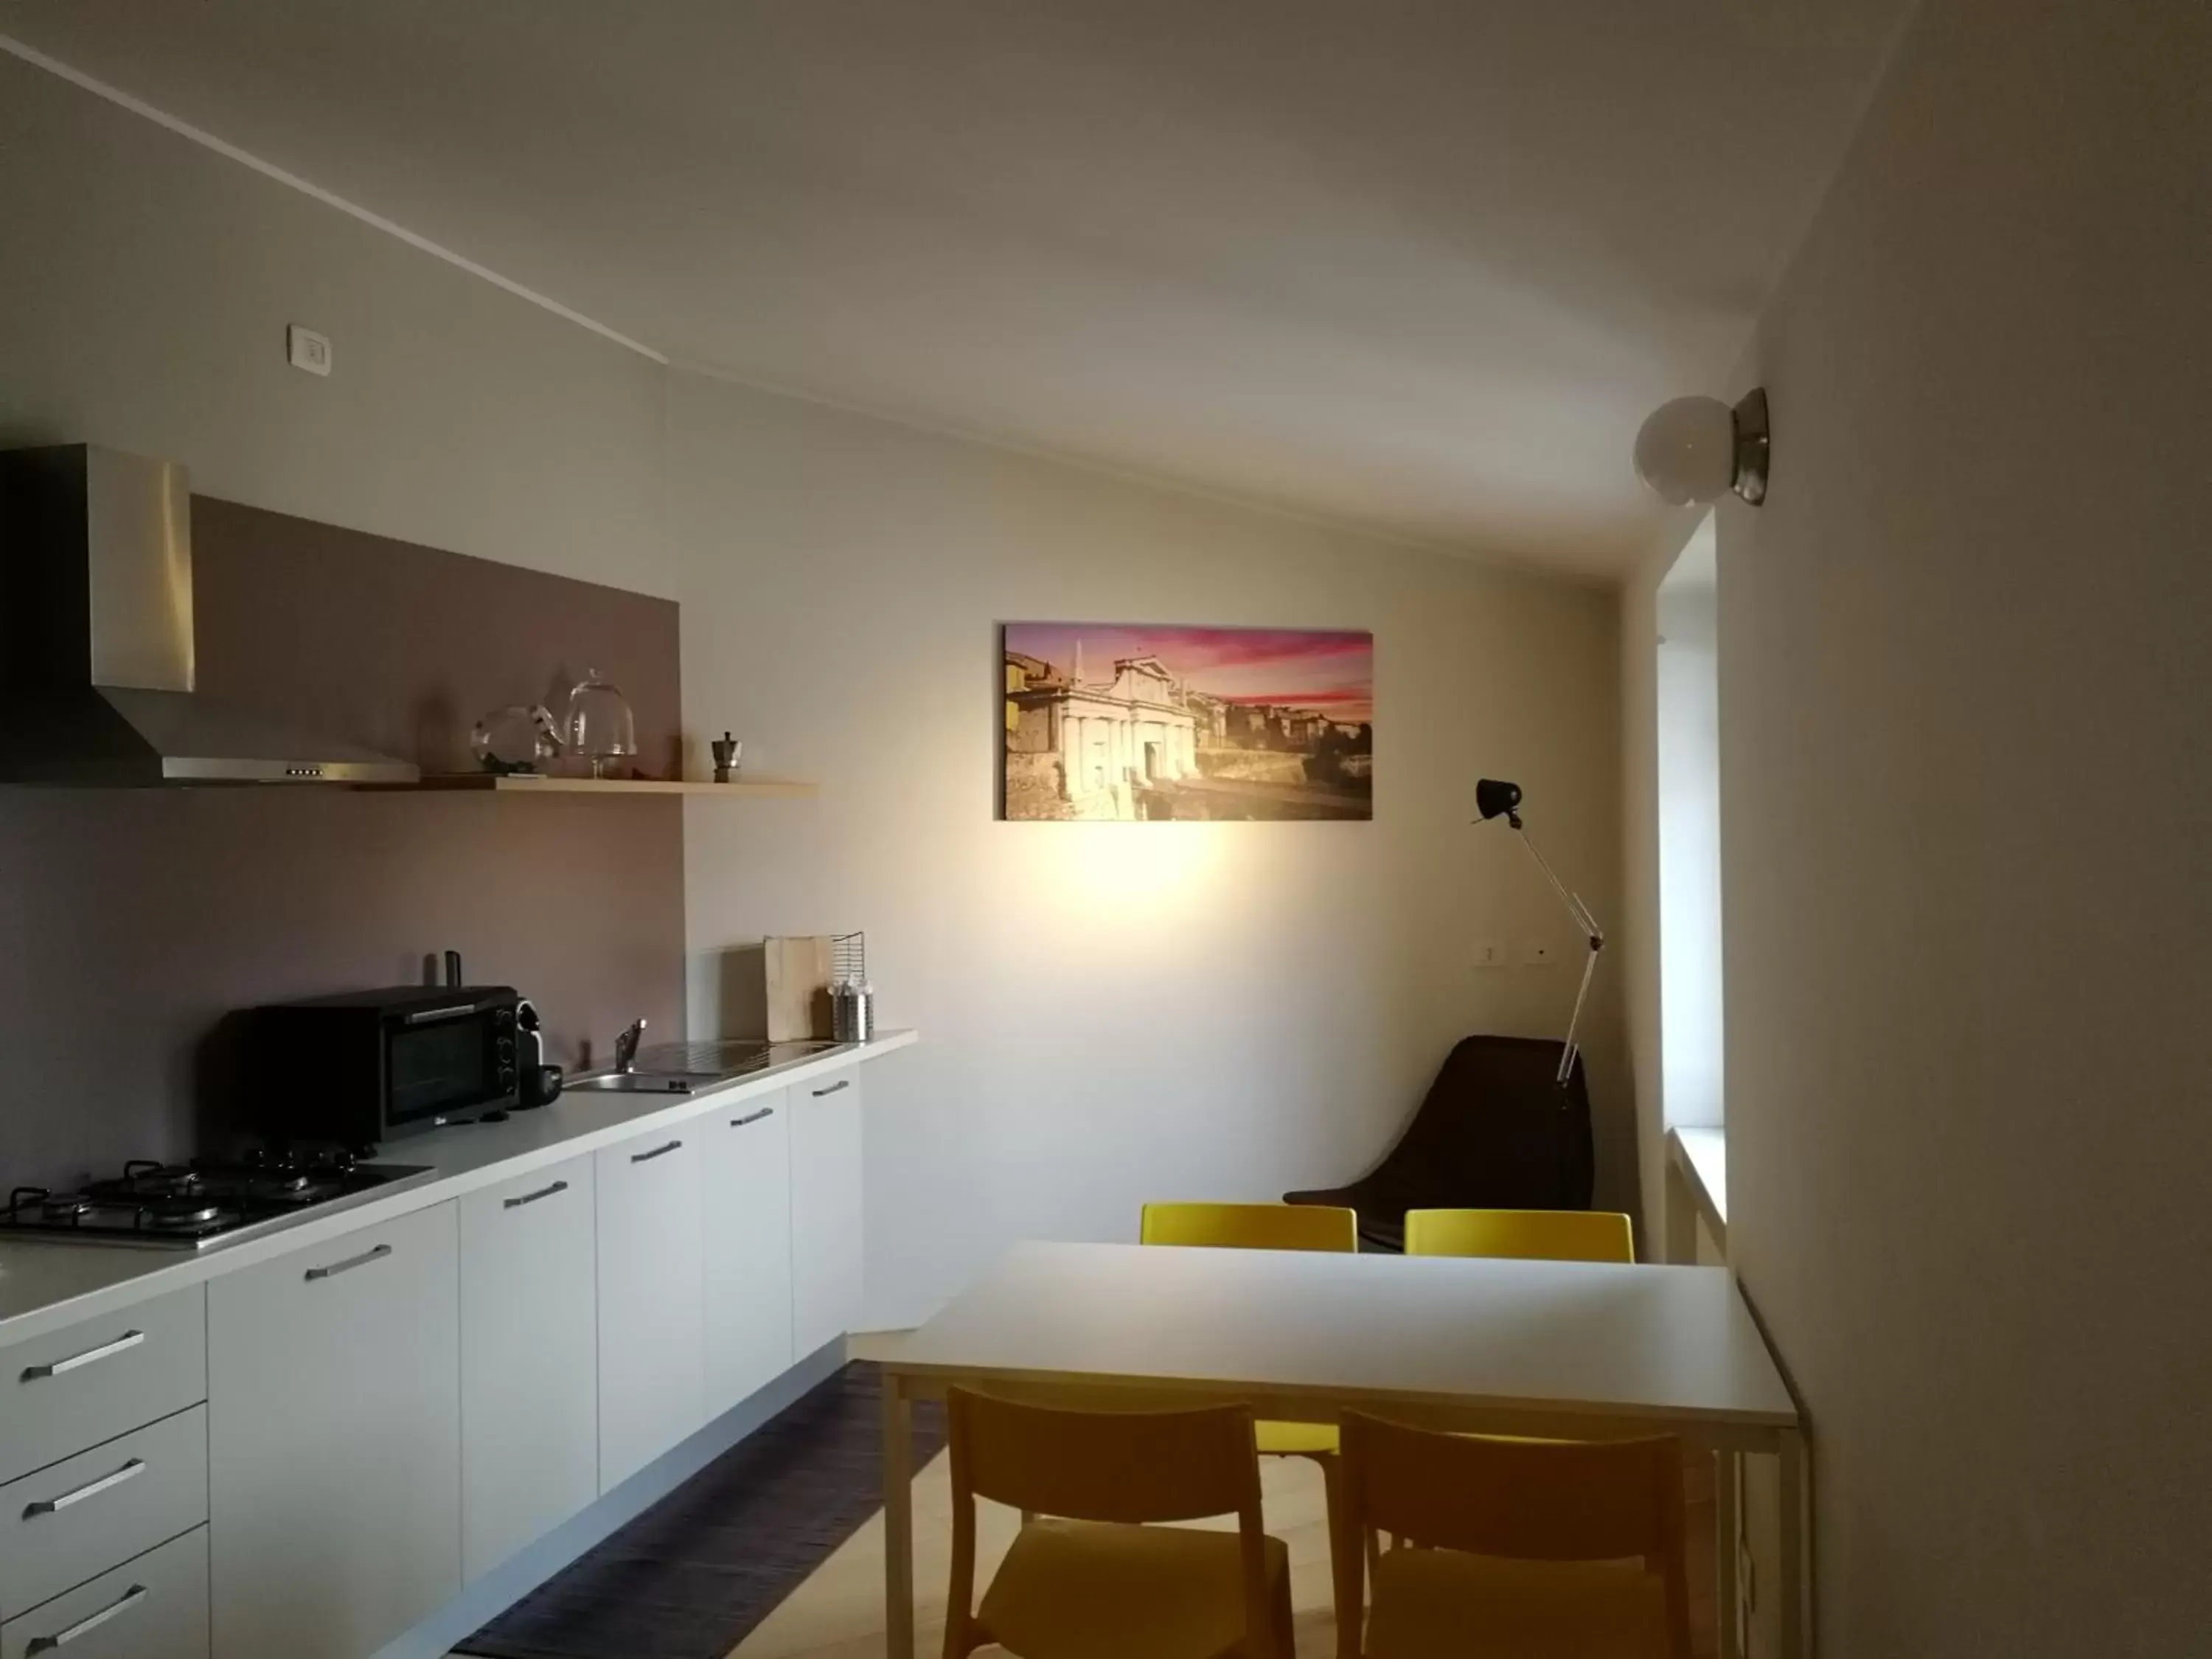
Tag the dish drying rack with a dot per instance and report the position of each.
(852, 999)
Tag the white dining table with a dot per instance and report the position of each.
(1573, 1349)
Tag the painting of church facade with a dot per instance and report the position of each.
(1138, 722)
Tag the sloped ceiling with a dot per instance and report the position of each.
(1417, 267)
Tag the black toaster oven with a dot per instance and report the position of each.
(367, 1067)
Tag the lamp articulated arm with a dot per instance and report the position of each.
(1494, 798)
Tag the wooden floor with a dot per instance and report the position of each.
(838, 1613)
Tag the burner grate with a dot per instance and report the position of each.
(188, 1206)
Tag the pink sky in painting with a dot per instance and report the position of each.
(1333, 673)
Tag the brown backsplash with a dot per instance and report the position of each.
(134, 920)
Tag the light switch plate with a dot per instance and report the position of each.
(307, 350)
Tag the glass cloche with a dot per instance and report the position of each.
(600, 726)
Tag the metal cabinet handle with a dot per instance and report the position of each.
(61, 1367)
(429, 1015)
(752, 1117)
(349, 1264)
(658, 1152)
(841, 1083)
(532, 1197)
(130, 1471)
(92, 1621)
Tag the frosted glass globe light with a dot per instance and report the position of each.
(1693, 448)
(1686, 451)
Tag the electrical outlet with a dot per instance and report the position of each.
(1537, 954)
(1490, 953)
(307, 350)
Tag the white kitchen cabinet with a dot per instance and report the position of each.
(77, 1518)
(90, 1383)
(825, 1209)
(651, 1258)
(529, 1360)
(334, 1442)
(153, 1606)
(745, 1182)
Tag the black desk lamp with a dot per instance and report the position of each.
(1494, 798)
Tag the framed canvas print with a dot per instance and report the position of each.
(1143, 721)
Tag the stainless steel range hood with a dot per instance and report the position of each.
(96, 669)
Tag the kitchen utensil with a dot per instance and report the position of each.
(601, 727)
(726, 749)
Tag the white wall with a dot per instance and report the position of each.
(1687, 709)
(1113, 1012)
(145, 284)
(1966, 809)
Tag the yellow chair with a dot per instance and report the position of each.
(1546, 1235)
(1093, 1581)
(1263, 1227)
(1266, 1227)
(1251, 1226)
(1529, 1547)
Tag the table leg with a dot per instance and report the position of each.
(1727, 1541)
(898, 1519)
(1797, 1563)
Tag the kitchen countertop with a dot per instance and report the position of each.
(46, 1286)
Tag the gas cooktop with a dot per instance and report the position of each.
(192, 1206)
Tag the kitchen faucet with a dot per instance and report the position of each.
(626, 1046)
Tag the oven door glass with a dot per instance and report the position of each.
(438, 1067)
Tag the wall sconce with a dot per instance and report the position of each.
(1693, 448)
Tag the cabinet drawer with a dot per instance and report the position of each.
(74, 1388)
(77, 1519)
(154, 1607)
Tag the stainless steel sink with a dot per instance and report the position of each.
(730, 1057)
(641, 1083)
(679, 1068)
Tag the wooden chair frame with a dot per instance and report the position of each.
(1127, 1467)
(1549, 1235)
(1522, 1500)
(1250, 1227)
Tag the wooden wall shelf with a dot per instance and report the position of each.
(527, 783)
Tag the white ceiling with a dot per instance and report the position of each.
(1418, 267)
